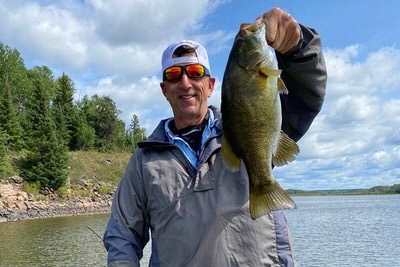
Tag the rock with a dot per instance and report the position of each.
(6, 190)
(17, 179)
(44, 192)
(11, 205)
(16, 204)
(21, 206)
(22, 196)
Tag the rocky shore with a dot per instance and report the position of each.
(15, 204)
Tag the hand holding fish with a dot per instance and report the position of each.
(282, 30)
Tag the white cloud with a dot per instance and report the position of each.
(105, 37)
(355, 140)
(146, 22)
(373, 75)
(49, 33)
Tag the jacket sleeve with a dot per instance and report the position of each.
(127, 231)
(304, 73)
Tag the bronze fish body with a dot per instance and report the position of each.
(251, 118)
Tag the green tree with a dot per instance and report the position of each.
(13, 87)
(85, 136)
(65, 113)
(47, 159)
(14, 74)
(3, 154)
(118, 137)
(136, 133)
(101, 114)
(9, 121)
(40, 95)
(396, 188)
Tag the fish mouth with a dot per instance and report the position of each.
(247, 29)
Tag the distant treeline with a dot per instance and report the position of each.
(376, 190)
(40, 120)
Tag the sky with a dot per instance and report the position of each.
(113, 48)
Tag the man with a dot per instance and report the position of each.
(176, 184)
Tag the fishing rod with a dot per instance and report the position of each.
(95, 233)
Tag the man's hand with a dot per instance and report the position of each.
(282, 30)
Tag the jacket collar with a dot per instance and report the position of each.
(159, 136)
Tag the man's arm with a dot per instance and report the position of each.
(304, 73)
(299, 55)
(127, 231)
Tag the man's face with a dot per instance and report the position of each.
(188, 98)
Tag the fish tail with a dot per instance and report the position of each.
(264, 201)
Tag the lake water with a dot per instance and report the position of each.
(339, 231)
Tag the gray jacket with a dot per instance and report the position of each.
(199, 216)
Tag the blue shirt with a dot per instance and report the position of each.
(191, 155)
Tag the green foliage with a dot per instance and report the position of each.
(40, 123)
(3, 156)
(393, 189)
(13, 75)
(102, 115)
(31, 188)
(105, 189)
(65, 113)
(47, 164)
(91, 123)
(63, 190)
(396, 188)
(11, 66)
(135, 134)
(85, 135)
(34, 190)
(38, 106)
(47, 161)
(65, 92)
(9, 121)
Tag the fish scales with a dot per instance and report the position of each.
(251, 117)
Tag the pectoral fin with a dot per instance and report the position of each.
(282, 87)
(230, 159)
(286, 151)
(275, 73)
(269, 72)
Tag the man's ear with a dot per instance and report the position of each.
(211, 84)
(163, 88)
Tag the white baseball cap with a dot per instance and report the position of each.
(201, 55)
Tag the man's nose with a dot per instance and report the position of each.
(185, 81)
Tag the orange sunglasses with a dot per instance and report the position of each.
(193, 71)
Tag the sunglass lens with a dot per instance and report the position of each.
(173, 73)
(195, 71)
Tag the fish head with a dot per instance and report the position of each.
(252, 48)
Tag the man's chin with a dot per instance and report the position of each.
(190, 112)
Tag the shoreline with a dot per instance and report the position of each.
(16, 205)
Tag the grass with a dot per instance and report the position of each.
(86, 170)
(97, 167)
